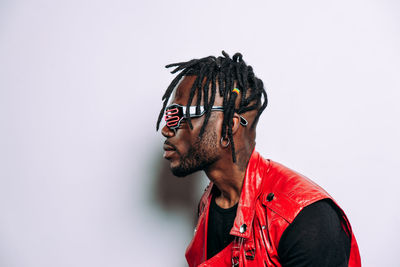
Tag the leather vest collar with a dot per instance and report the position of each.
(251, 190)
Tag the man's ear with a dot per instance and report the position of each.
(236, 123)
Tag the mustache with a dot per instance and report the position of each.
(170, 144)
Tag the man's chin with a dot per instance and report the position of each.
(179, 172)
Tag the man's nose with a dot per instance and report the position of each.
(167, 132)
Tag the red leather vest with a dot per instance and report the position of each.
(271, 197)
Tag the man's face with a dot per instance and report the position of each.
(184, 149)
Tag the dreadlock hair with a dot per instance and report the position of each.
(226, 71)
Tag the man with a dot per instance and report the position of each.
(255, 212)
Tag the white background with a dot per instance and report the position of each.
(82, 179)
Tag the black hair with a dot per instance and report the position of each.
(226, 71)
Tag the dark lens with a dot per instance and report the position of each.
(173, 116)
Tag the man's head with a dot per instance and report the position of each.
(213, 101)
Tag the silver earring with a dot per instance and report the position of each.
(227, 144)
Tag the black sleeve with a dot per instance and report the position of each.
(315, 238)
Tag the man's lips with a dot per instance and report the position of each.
(169, 146)
(169, 149)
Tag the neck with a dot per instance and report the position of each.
(228, 177)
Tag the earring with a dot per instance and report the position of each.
(227, 144)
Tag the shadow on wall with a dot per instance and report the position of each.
(177, 194)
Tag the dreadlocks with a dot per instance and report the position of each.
(226, 71)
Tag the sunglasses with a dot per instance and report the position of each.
(175, 113)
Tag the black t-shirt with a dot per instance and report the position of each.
(220, 222)
(314, 238)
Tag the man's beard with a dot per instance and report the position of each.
(202, 154)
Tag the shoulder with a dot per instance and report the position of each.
(315, 238)
(286, 192)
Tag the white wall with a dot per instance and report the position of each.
(82, 180)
